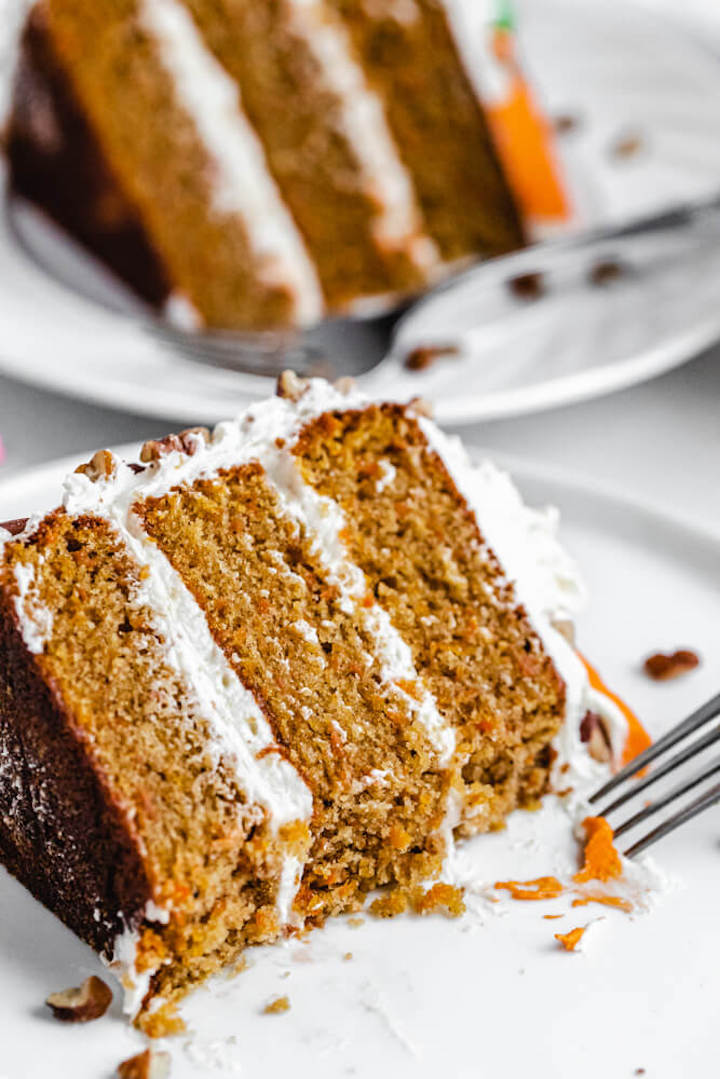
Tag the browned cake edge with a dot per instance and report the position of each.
(56, 162)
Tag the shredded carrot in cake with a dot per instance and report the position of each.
(549, 917)
(571, 939)
(607, 901)
(602, 861)
(541, 888)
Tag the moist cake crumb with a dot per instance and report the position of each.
(277, 1006)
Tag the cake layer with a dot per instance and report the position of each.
(219, 833)
(350, 730)
(269, 163)
(327, 143)
(437, 121)
(427, 564)
(170, 120)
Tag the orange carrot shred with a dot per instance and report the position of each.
(541, 888)
(602, 861)
(607, 901)
(571, 939)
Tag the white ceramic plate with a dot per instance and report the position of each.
(623, 72)
(490, 993)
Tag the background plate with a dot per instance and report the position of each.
(624, 73)
(490, 993)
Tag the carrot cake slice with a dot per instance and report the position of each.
(265, 164)
(266, 670)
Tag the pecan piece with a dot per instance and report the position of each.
(187, 441)
(420, 407)
(147, 1065)
(345, 385)
(528, 286)
(628, 145)
(14, 527)
(567, 122)
(100, 466)
(424, 356)
(605, 272)
(594, 731)
(566, 628)
(291, 386)
(82, 1003)
(664, 666)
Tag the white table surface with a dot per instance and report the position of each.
(659, 441)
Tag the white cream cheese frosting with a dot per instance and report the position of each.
(547, 583)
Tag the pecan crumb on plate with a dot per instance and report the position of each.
(605, 272)
(82, 1003)
(567, 122)
(424, 356)
(527, 286)
(663, 666)
(628, 145)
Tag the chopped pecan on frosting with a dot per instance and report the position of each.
(345, 384)
(566, 628)
(594, 731)
(664, 666)
(100, 466)
(83, 1003)
(420, 407)
(187, 441)
(291, 386)
(150, 1064)
(14, 527)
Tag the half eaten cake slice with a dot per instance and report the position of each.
(267, 670)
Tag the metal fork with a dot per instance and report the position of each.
(666, 763)
(269, 353)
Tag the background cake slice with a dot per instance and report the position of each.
(265, 671)
(270, 162)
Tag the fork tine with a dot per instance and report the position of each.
(677, 792)
(702, 715)
(267, 353)
(698, 806)
(670, 765)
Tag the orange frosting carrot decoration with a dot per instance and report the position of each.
(602, 861)
(571, 939)
(523, 135)
(638, 739)
(541, 888)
